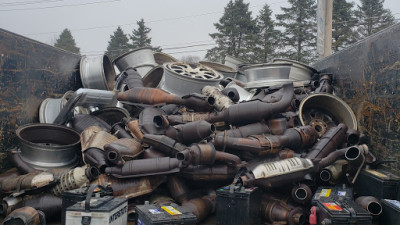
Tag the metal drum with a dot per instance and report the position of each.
(97, 72)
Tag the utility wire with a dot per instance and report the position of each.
(59, 6)
(8, 4)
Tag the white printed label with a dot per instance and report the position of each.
(286, 166)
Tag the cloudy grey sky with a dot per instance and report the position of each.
(180, 27)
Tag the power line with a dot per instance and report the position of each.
(8, 4)
(151, 21)
(59, 6)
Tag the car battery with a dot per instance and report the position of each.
(150, 214)
(378, 183)
(390, 212)
(335, 205)
(102, 211)
(238, 205)
(71, 197)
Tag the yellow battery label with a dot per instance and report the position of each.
(376, 173)
(171, 210)
(325, 192)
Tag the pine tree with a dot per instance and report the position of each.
(268, 36)
(140, 37)
(67, 42)
(373, 17)
(118, 44)
(298, 40)
(343, 25)
(236, 32)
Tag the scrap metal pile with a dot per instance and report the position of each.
(198, 138)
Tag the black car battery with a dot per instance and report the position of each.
(238, 205)
(335, 206)
(390, 212)
(378, 183)
(150, 214)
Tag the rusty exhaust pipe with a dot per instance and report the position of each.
(301, 194)
(187, 117)
(130, 188)
(83, 121)
(49, 204)
(232, 93)
(293, 138)
(145, 167)
(222, 101)
(328, 143)
(122, 150)
(277, 126)
(148, 121)
(197, 154)
(133, 127)
(152, 153)
(177, 188)
(276, 211)
(352, 137)
(332, 172)
(24, 216)
(164, 144)
(26, 182)
(201, 207)
(119, 131)
(154, 96)
(246, 130)
(254, 111)
(371, 204)
(216, 172)
(191, 132)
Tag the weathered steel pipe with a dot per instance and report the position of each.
(145, 167)
(133, 127)
(328, 143)
(47, 203)
(75, 178)
(216, 172)
(95, 157)
(152, 153)
(177, 188)
(190, 132)
(148, 121)
(232, 93)
(201, 207)
(301, 194)
(83, 121)
(197, 154)
(275, 211)
(332, 173)
(187, 117)
(133, 79)
(277, 126)
(26, 182)
(222, 101)
(24, 216)
(130, 188)
(154, 96)
(246, 130)
(356, 155)
(119, 131)
(9, 174)
(325, 84)
(371, 204)
(122, 150)
(254, 111)
(294, 138)
(352, 137)
(164, 144)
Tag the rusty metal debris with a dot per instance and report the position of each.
(284, 132)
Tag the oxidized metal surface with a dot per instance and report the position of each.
(367, 77)
(29, 73)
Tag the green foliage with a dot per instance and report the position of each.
(373, 17)
(140, 37)
(268, 36)
(67, 42)
(298, 39)
(237, 33)
(118, 44)
(343, 25)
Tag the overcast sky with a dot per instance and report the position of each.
(180, 27)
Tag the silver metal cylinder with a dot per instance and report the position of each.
(97, 72)
(141, 59)
(46, 146)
